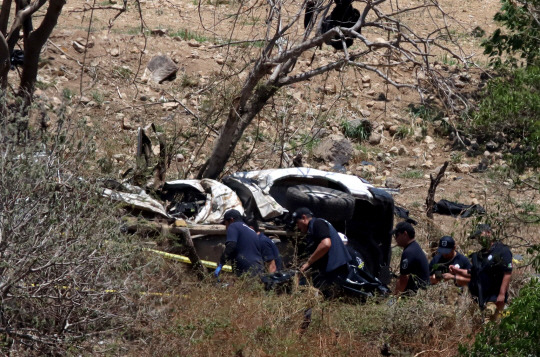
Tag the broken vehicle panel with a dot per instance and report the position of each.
(217, 199)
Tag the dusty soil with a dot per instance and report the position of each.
(115, 101)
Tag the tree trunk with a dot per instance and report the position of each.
(33, 46)
(4, 16)
(238, 120)
(4, 64)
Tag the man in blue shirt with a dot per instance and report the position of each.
(270, 252)
(242, 247)
(447, 256)
(329, 257)
(413, 268)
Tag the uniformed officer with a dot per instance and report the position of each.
(413, 268)
(242, 247)
(329, 257)
(447, 256)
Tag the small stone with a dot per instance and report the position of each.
(194, 43)
(365, 113)
(115, 52)
(375, 139)
(459, 84)
(462, 168)
(369, 168)
(84, 100)
(170, 106)
(392, 183)
(393, 130)
(487, 154)
(379, 180)
(393, 150)
(491, 146)
(78, 47)
(403, 151)
(366, 79)
(411, 165)
(179, 158)
(329, 89)
(427, 164)
(429, 140)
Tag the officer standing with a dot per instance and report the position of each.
(413, 267)
(242, 247)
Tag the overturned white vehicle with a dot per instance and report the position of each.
(356, 208)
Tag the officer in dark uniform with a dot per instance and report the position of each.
(329, 257)
(414, 267)
(270, 251)
(489, 276)
(446, 256)
(242, 247)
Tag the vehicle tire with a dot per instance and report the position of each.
(325, 202)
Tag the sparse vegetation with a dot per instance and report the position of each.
(98, 97)
(187, 35)
(68, 94)
(403, 131)
(359, 131)
(122, 72)
(511, 105)
(412, 174)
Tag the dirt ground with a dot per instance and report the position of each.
(116, 101)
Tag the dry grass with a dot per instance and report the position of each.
(244, 320)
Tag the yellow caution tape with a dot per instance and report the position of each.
(184, 259)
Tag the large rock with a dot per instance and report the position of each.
(334, 149)
(160, 68)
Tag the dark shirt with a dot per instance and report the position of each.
(438, 263)
(337, 256)
(494, 264)
(270, 251)
(414, 263)
(247, 255)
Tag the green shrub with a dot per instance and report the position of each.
(520, 36)
(353, 130)
(511, 105)
(518, 332)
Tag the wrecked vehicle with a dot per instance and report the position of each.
(354, 207)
